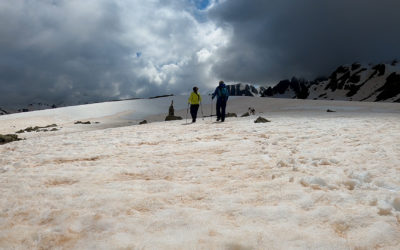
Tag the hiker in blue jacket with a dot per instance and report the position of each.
(222, 94)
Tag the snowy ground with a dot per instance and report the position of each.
(307, 180)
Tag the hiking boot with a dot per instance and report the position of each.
(218, 119)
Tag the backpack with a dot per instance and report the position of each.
(223, 92)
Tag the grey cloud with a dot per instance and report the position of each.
(82, 51)
(278, 39)
(47, 57)
(60, 51)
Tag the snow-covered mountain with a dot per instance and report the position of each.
(356, 82)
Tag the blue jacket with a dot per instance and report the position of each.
(221, 92)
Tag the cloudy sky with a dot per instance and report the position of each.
(63, 51)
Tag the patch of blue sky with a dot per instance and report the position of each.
(202, 4)
(200, 9)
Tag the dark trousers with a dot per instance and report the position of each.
(221, 106)
(193, 111)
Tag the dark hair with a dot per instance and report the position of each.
(221, 82)
(195, 89)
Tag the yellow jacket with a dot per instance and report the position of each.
(194, 98)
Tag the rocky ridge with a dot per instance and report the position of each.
(355, 82)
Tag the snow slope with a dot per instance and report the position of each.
(307, 180)
(108, 114)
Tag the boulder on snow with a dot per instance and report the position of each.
(8, 138)
(261, 120)
(172, 118)
(330, 111)
(143, 122)
(231, 115)
(80, 122)
(28, 129)
(250, 111)
(37, 129)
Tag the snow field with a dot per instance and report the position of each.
(302, 181)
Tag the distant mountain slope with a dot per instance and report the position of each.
(35, 106)
(3, 112)
(241, 89)
(376, 83)
(354, 82)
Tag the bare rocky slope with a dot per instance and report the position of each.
(356, 82)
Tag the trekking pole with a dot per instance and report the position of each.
(187, 111)
(211, 109)
(202, 114)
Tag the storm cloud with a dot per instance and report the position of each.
(275, 39)
(59, 51)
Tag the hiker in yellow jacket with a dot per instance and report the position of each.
(194, 101)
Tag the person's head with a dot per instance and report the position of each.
(195, 89)
(221, 83)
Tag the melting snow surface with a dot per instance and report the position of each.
(307, 180)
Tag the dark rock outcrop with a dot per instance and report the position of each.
(298, 86)
(391, 88)
(338, 78)
(8, 138)
(172, 118)
(80, 122)
(143, 122)
(3, 112)
(38, 129)
(355, 66)
(380, 68)
(261, 120)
